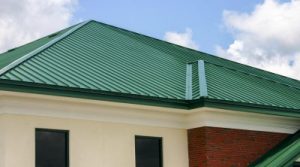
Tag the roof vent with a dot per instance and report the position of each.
(11, 50)
(53, 35)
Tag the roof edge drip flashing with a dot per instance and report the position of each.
(40, 49)
(202, 79)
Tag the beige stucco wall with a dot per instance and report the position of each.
(102, 133)
(92, 143)
(1, 142)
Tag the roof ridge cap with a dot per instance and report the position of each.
(41, 48)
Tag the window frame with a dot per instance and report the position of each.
(160, 147)
(67, 147)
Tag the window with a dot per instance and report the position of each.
(51, 148)
(296, 164)
(148, 151)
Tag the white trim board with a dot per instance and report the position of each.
(83, 109)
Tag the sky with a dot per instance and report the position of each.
(261, 33)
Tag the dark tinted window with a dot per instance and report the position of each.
(296, 164)
(51, 148)
(148, 151)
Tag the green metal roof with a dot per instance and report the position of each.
(18, 52)
(282, 155)
(99, 58)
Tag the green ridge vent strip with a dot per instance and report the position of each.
(189, 81)
(38, 50)
(202, 79)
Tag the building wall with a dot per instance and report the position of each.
(102, 133)
(1, 142)
(92, 143)
(210, 146)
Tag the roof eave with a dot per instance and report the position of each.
(251, 107)
(54, 90)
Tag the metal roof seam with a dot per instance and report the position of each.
(40, 49)
(197, 52)
(101, 58)
(260, 77)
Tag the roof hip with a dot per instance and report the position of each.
(40, 49)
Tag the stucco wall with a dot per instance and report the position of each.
(102, 133)
(92, 143)
(1, 142)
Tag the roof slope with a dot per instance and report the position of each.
(283, 155)
(100, 57)
(18, 52)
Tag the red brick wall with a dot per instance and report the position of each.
(220, 147)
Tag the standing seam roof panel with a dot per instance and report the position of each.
(105, 58)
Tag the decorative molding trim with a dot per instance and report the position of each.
(72, 108)
(242, 120)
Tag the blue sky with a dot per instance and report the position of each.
(156, 17)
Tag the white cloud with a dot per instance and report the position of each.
(266, 38)
(182, 38)
(22, 21)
